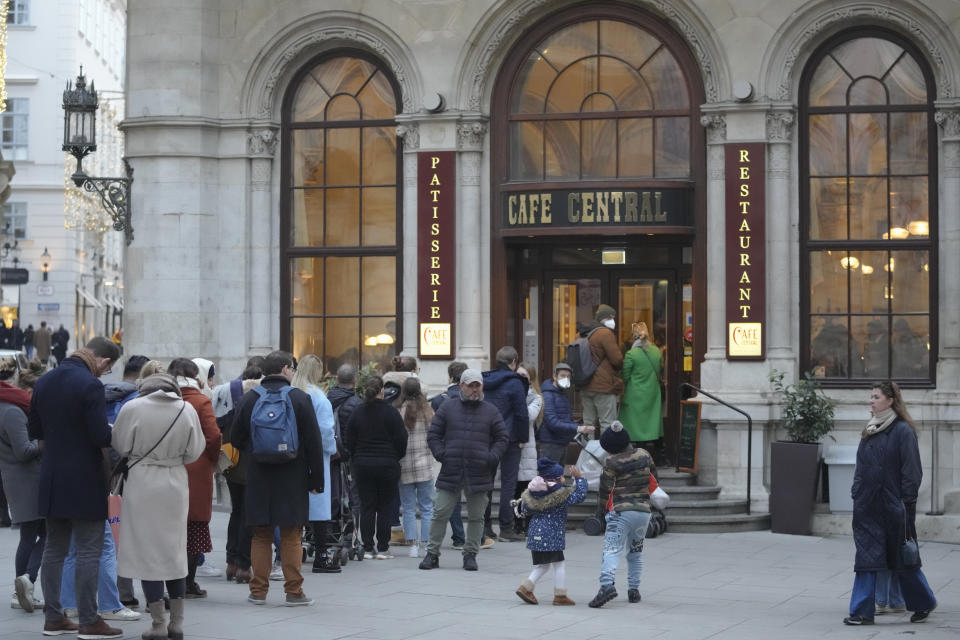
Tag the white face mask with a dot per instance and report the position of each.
(563, 383)
(609, 323)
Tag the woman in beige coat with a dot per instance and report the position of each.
(153, 521)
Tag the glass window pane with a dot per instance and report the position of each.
(598, 102)
(909, 208)
(526, 150)
(599, 143)
(572, 85)
(828, 208)
(828, 149)
(867, 56)
(672, 148)
(871, 339)
(570, 44)
(307, 227)
(309, 102)
(562, 142)
(379, 217)
(379, 155)
(906, 83)
(636, 147)
(343, 75)
(627, 42)
(868, 208)
(343, 215)
(377, 99)
(829, 343)
(868, 143)
(534, 81)
(378, 344)
(307, 336)
(828, 86)
(624, 85)
(828, 282)
(910, 281)
(343, 286)
(868, 281)
(666, 80)
(306, 286)
(908, 143)
(867, 91)
(342, 344)
(307, 157)
(343, 107)
(380, 285)
(911, 346)
(343, 156)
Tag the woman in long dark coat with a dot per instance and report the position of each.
(885, 485)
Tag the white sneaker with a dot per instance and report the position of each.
(70, 613)
(277, 572)
(383, 555)
(414, 551)
(15, 602)
(123, 614)
(23, 592)
(367, 555)
(207, 570)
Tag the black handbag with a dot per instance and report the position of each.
(118, 475)
(909, 550)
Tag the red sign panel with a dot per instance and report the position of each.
(745, 241)
(436, 269)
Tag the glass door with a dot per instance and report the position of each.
(574, 303)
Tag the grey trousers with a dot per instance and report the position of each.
(88, 540)
(599, 410)
(443, 504)
(125, 587)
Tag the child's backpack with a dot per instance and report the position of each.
(273, 426)
(580, 359)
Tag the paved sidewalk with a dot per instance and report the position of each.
(739, 586)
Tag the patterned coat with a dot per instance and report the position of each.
(417, 463)
(627, 476)
(548, 513)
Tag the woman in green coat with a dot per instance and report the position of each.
(640, 410)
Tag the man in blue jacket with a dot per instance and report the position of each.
(68, 412)
(505, 389)
(558, 428)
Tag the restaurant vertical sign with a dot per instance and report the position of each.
(745, 240)
(436, 271)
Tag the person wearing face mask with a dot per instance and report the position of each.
(600, 394)
(558, 428)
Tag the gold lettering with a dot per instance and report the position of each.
(743, 207)
(745, 294)
(435, 180)
(659, 216)
(434, 262)
(523, 210)
(434, 295)
(630, 207)
(434, 279)
(744, 278)
(434, 161)
(435, 313)
(512, 210)
(616, 197)
(744, 190)
(603, 206)
(744, 173)
(646, 214)
(435, 193)
(434, 245)
(745, 308)
(435, 229)
(744, 241)
(573, 208)
(546, 217)
(587, 206)
(744, 155)
(744, 259)
(435, 216)
(534, 207)
(744, 226)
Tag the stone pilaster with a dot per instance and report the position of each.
(261, 147)
(409, 132)
(716, 125)
(472, 224)
(948, 234)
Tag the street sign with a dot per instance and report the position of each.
(14, 276)
(48, 306)
(44, 289)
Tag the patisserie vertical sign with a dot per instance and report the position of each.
(436, 236)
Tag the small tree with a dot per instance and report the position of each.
(807, 411)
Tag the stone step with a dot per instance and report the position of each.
(706, 507)
(671, 478)
(686, 493)
(732, 523)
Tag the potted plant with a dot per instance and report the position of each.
(807, 417)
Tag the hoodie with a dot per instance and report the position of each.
(507, 391)
(117, 395)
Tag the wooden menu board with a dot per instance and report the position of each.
(688, 448)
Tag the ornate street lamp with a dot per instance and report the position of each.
(80, 138)
(45, 256)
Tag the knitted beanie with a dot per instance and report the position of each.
(604, 311)
(548, 469)
(615, 439)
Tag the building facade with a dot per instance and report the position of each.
(768, 186)
(63, 237)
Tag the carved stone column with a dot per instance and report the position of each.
(948, 366)
(472, 225)
(410, 133)
(261, 146)
(781, 248)
(716, 125)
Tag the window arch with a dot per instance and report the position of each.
(868, 211)
(340, 240)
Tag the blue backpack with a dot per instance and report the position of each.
(273, 426)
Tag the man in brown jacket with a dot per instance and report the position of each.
(41, 340)
(600, 394)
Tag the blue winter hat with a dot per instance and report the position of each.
(547, 468)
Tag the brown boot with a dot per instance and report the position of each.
(560, 598)
(243, 576)
(98, 629)
(231, 571)
(525, 591)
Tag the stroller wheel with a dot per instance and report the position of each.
(344, 556)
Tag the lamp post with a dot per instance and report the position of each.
(45, 256)
(80, 138)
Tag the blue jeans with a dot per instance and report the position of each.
(456, 526)
(888, 589)
(917, 594)
(88, 536)
(108, 596)
(412, 496)
(625, 530)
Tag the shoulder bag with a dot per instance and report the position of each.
(120, 470)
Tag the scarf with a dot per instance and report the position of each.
(188, 382)
(15, 396)
(88, 358)
(879, 422)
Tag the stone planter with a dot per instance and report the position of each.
(793, 486)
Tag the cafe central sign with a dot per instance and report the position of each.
(745, 240)
(596, 208)
(435, 253)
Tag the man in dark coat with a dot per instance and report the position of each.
(454, 370)
(277, 494)
(61, 340)
(468, 438)
(505, 389)
(68, 412)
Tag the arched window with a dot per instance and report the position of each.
(339, 233)
(868, 211)
(599, 99)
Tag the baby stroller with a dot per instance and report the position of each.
(343, 541)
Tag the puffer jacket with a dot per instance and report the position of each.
(558, 426)
(547, 511)
(117, 394)
(507, 391)
(627, 476)
(606, 353)
(467, 438)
